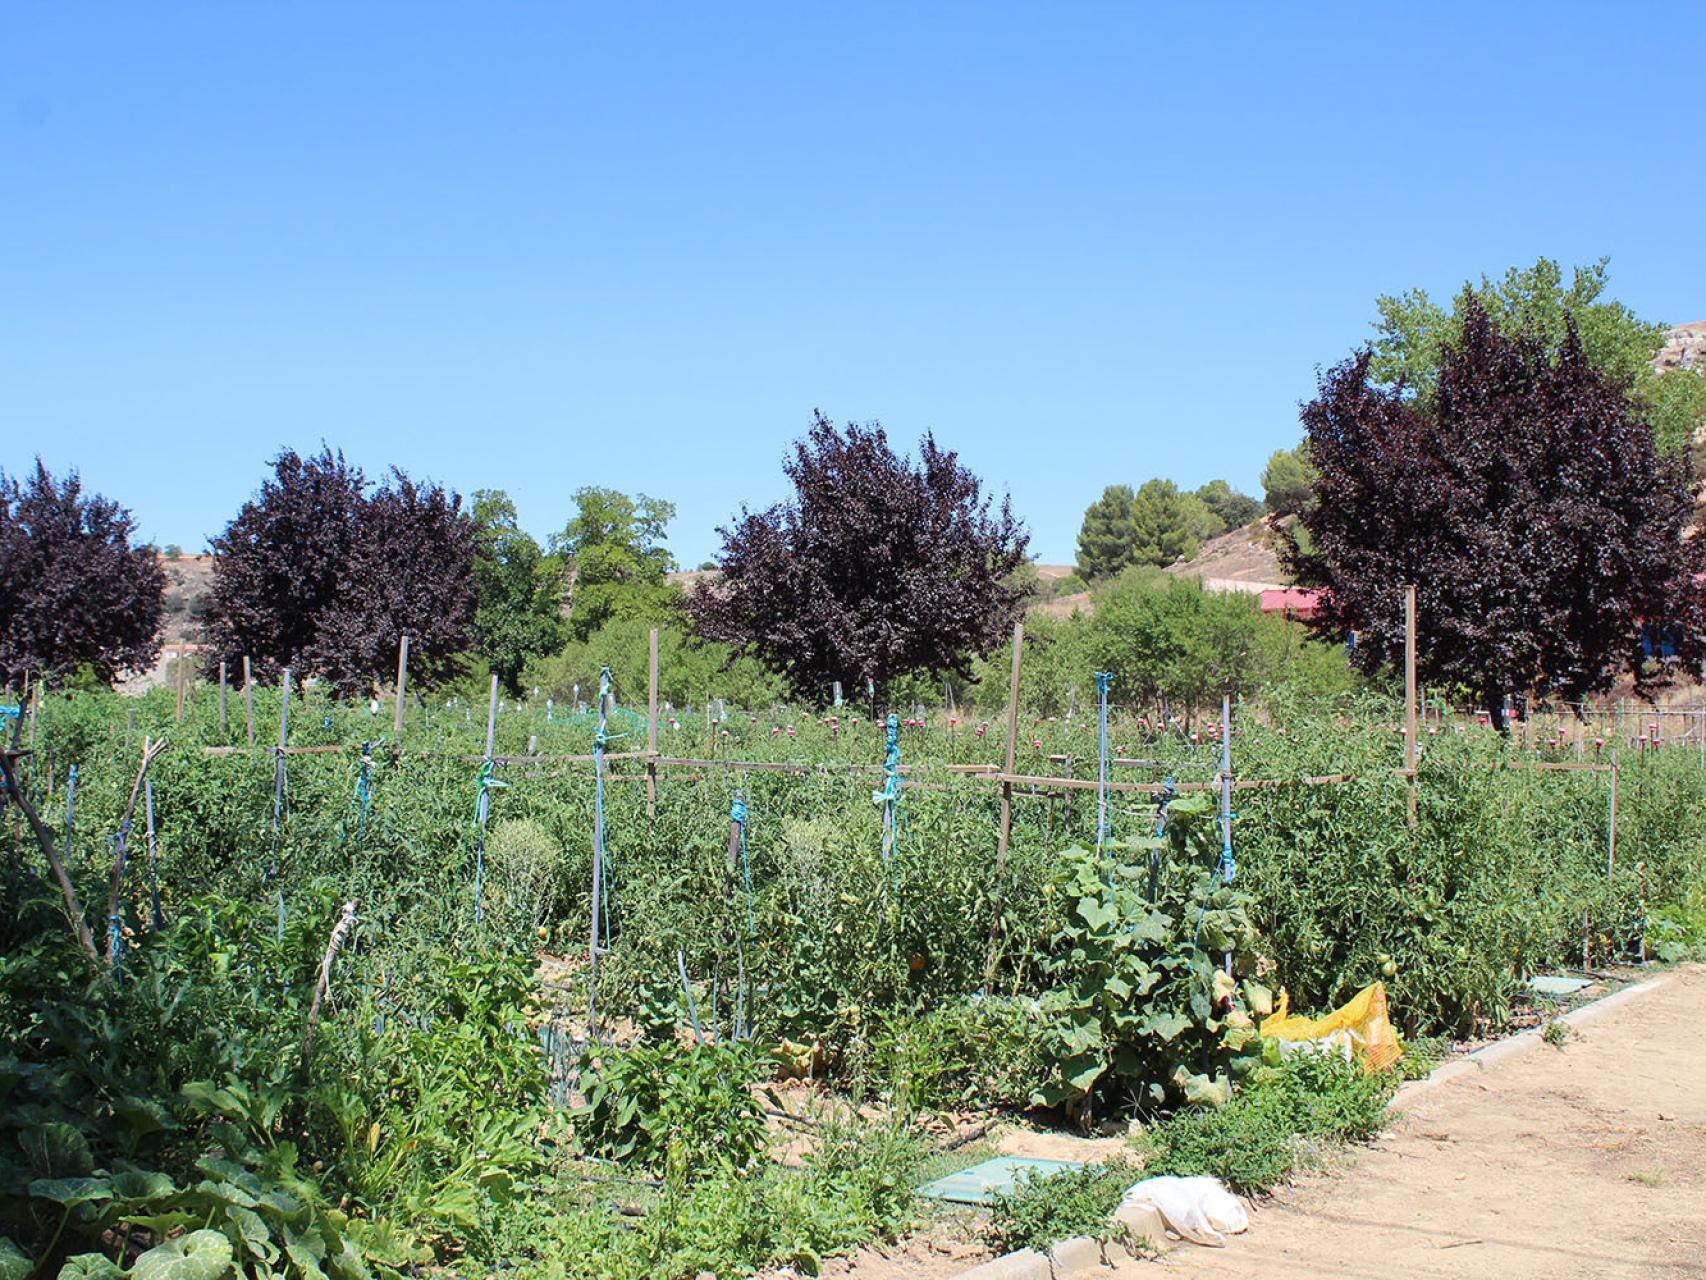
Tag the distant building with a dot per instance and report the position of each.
(1294, 602)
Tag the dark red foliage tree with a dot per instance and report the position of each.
(73, 591)
(318, 574)
(876, 568)
(1529, 507)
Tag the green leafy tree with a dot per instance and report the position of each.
(691, 669)
(1166, 525)
(618, 562)
(1104, 539)
(519, 616)
(1535, 304)
(1234, 509)
(1288, 481)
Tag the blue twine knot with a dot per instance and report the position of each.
(737, 810)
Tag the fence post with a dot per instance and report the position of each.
(180, 714)
(1006, 796)
(222, 718)
(402, 680)
(1410, 700)
(652, 726)
(1611, 824)
(249, 699)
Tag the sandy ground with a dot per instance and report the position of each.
(1582, 1161)
(1585, 1160)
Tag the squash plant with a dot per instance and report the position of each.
(1142, 1001)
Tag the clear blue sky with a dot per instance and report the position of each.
(542, 246)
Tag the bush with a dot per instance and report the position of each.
(1283, 1119)
(1042, 1210)
(650, 1101)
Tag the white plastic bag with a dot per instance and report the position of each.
(1198, 1209)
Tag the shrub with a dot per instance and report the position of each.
(1044, 1209)
(1283, 1118)
(650, 1101)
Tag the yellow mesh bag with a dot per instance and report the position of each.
(1359, 1028)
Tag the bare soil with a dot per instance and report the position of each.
(1583, 1160)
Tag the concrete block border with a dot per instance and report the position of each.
(1512, 1047)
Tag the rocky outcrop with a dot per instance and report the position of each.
(1684, 348)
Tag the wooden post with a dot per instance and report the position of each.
(492, 717)
(1410, 698)
(1226, 799)
(278, 782)
(402, 680)
(222, 718)
(180, 681)
(1611, 832)
(249, 700)
(1006, 794)
(652, 726)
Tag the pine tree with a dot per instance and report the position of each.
(1104, 539)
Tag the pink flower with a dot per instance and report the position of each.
(1037, 742)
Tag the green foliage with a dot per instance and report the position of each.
(519, 616)
(1232, 508)
(164, 1102)
(614, 546)
(1167, 525)
(1105, 539)
(1042, 1210)
(694, 1104)
(691, 670)
(1283, 1118)
(1288, 481)
(1414, 332)
(1168, 642)
(1140, 1002)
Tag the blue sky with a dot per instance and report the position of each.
(536, 247)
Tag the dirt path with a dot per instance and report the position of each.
(1585, 1161)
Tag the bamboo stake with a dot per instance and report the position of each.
(222, 720)
(8, 761)
(249, 699)
(340, 932)
(402, 680)
(1006, 832)
(652, 726)
(1410, 700)
(180, 714)
(150, 749)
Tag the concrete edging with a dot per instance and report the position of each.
(1513, 1047)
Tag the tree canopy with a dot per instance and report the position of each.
(1526, 500)
(318, 574)
(1157, 524)
(877, 567)
(1288, 481)
(1233, 509)
(1414, 332)
(520, 590)
(74, 592)
(614, 545)
(1104, 539)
